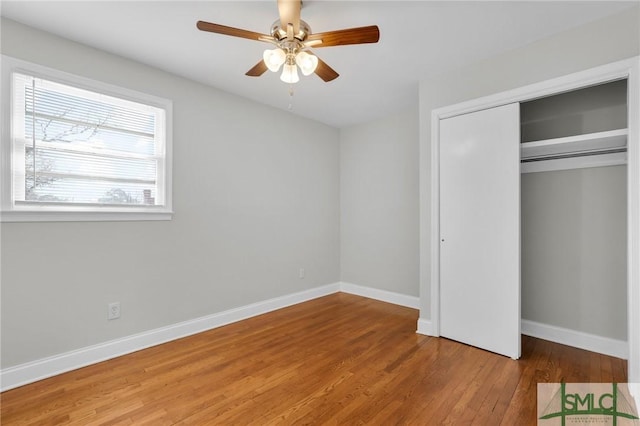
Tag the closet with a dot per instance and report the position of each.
(574, 211)
(534, 215)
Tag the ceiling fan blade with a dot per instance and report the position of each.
(257, 70)
(289, 11)
(324, 71)
(231, 31)
(360, 35)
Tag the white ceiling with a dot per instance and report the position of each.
(418, 39)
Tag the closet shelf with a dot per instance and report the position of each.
(612, 140)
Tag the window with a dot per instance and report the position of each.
(82, 150)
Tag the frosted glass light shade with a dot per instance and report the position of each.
(273, 58)
(290, 74)
(306, 62)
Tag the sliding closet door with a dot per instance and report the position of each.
(480, 229)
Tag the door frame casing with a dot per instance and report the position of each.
(629, 69)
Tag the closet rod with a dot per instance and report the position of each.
(573, 155)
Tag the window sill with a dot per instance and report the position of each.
(69, 216)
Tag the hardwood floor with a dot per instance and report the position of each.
(340, 359)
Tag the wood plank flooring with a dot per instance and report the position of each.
(340, 359)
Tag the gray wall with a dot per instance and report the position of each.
(574, 249)
(251, 208)
(379, 203)
(604, 41)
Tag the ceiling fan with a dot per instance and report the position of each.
(292, 38)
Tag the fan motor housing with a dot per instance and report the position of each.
(280, 33)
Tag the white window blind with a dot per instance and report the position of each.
(74, 147)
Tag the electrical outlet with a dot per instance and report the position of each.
(301, 273)
(113, 311)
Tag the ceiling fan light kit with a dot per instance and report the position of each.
(274, 58)
(306, 62)
(289, 74)
(293, 38)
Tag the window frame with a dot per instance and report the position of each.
(10, 211)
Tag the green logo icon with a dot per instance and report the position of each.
(585, 403)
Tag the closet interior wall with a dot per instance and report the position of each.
(574, 220)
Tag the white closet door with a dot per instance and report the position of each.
(480, 229)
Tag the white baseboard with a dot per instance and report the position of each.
(382, 295)
(424, 327)
(578, 339)
(30, 372)
(41, 369)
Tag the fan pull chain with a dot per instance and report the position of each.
(290, 107)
